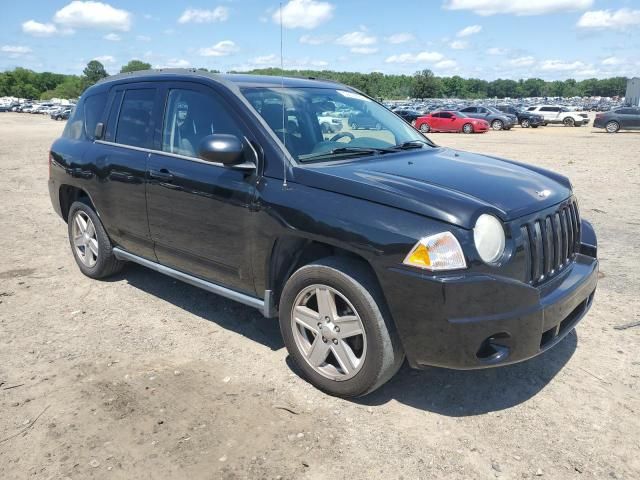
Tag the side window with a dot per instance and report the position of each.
(469, 110)
(189, 117)
(134, 121)
(482, 110)
(445, 115)
(546, 109)
(625, 111)
(82, 122)
(93, 110)
(436, 115)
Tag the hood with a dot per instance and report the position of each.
(445, 184)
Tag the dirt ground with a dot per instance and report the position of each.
(143, 377)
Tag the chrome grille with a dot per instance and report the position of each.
(550, 242)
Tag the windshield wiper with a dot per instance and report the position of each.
(345, 151)
(410, 145)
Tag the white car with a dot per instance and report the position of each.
(329, 124)
(561, 115)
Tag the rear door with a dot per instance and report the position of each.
(121, 160)
(200, 212)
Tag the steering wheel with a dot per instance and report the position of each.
(338, 136)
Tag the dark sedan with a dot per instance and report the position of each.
(626, 118)
(409, 116)
(525, 119)
(497, 119)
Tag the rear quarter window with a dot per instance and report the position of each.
(85, 116)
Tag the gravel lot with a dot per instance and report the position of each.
(141, 376)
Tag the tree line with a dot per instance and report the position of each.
(25, 83)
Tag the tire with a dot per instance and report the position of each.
(425, 128)
(497, 124)
(355, 293)
(354, 126)
(525, 123)
(413, 123)
(467, 128)
(568, 122)
(612, 126)
(105, 263)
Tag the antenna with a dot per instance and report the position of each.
(284, 132)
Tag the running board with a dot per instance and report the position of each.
(266, 308)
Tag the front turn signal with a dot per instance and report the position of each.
(437, 252)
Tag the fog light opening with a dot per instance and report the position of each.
(493, 348)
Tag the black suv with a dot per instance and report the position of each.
(368, 245)
(525, 119)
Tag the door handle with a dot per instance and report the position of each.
(163, 174)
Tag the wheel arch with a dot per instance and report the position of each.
(68, 194)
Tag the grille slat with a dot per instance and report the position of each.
(550, 242)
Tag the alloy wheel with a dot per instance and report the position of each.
(424, 128)
(85, 240)
(328, 332)
(612, 127)
(497, 125)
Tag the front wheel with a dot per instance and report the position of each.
(467, 128)
(525, 123)
(497, 124)
(424, 128)
(612, 126)
(568, 122)
(337, 329)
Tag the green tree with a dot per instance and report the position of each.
(93, 72)
(425, 85)
(135, 66)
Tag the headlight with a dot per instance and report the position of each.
(437, 252)
(488, 236)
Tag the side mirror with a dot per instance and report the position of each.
(221, 148)
(99, 132)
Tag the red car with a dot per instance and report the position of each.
(450, 122)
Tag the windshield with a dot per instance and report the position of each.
(325, 123)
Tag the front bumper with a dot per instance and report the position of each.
(472, 321)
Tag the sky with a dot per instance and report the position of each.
(488, 39)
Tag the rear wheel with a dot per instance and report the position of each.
(525, 123)
(612, 126)
(467, 128)
(336, 328)
(424, 128)
(90, 244)
(568, 122)
(497, 124)
(354, 126)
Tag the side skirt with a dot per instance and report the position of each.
(266, 307)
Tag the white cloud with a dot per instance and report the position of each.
(220, 49)
(266, 60)
(427, 57)
(315, 40)
(616, 20)
(470, 30)
(446, 64)
(304, 14)
(89, 14)
(356, 39)
(612, 61)
(174, 63)
(218, 14)
(522, 61)
(112, 37)
(15, 49)
(143, 38)
(459, 45)
(497, 51)
(517, 7)
(105, 59)
(37, 29)
(398, 38)
(560, 66)
(364, 50)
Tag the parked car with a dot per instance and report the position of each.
(525, 119)
(556, 114)
(627, 118)
(368, 247)
(409, 116)
(359, 119)
(497, 119)
(450, 122)
(329, 124)
(5, 107)
(61, 114)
